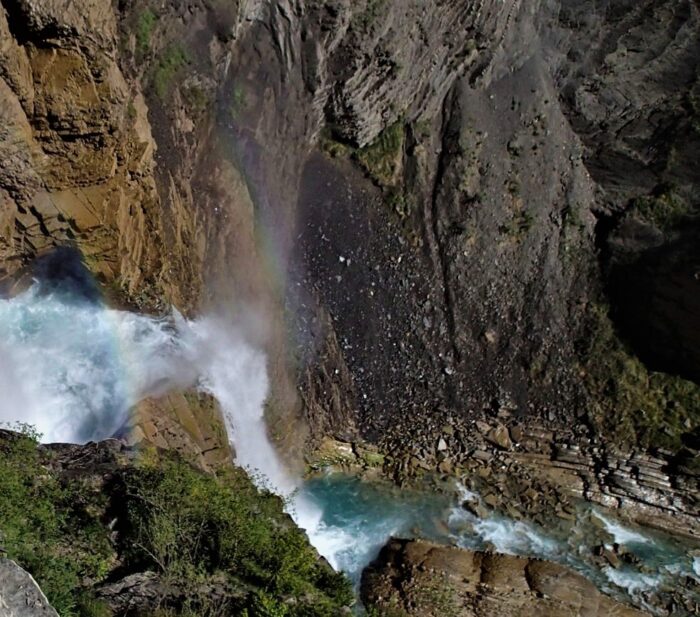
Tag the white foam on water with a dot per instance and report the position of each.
(632, 580)
(516, 538)
(503, 534)
(464, 494)
(235, 373)
(622, 535)
(351, 548)
(74, 369)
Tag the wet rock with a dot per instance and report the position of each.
(609, 556)
(492, 500)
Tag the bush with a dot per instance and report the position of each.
(45, 526)
(219, 545)
(192, 527)
(171, 62)
(382, 157)
(632, 405)
(145, 25)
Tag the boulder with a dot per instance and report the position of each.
(413, 577)
(20, 596)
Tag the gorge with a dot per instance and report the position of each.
(428, 270)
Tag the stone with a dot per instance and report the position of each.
(492, 500)
(499, 437)
(482, 427)
(20, 596)
(406, 574)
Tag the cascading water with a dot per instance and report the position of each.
(73, 369)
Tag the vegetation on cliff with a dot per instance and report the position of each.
(633, 405)
(214, 544)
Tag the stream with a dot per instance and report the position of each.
(73, 368)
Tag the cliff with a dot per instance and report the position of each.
(473, 212)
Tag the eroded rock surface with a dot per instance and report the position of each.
(77, 152)
(20, 596)
(419, 578)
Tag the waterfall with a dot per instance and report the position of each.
(73, 369)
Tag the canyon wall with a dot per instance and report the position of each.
(437, 213)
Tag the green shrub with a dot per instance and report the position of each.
(192, 527)
(664, 210)
(382, 157)
(371, 13)
(145, 25)
(172, 61)
(197, 531)
(45, 526)
(632, 405)
(519, 225)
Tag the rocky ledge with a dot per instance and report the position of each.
(412, 577)
(106, 529)
(20, 596)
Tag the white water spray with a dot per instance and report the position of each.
(73, 369)
(235, 373)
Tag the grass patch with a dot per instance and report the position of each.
(382, 158)
(373, 10)
(171, 62)
(664, 209)
(632, 405)
(192, 527)
(195, 98)
(332, 147)
(198, 532)
(519, 226)
(239, 102)
(145, 25)
(50, 528)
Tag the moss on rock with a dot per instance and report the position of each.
(382, 158)
(632, 405)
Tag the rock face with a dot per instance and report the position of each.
(418, 578)
(20, 596)
(186, 422)
(442, 216)
(77, 151)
